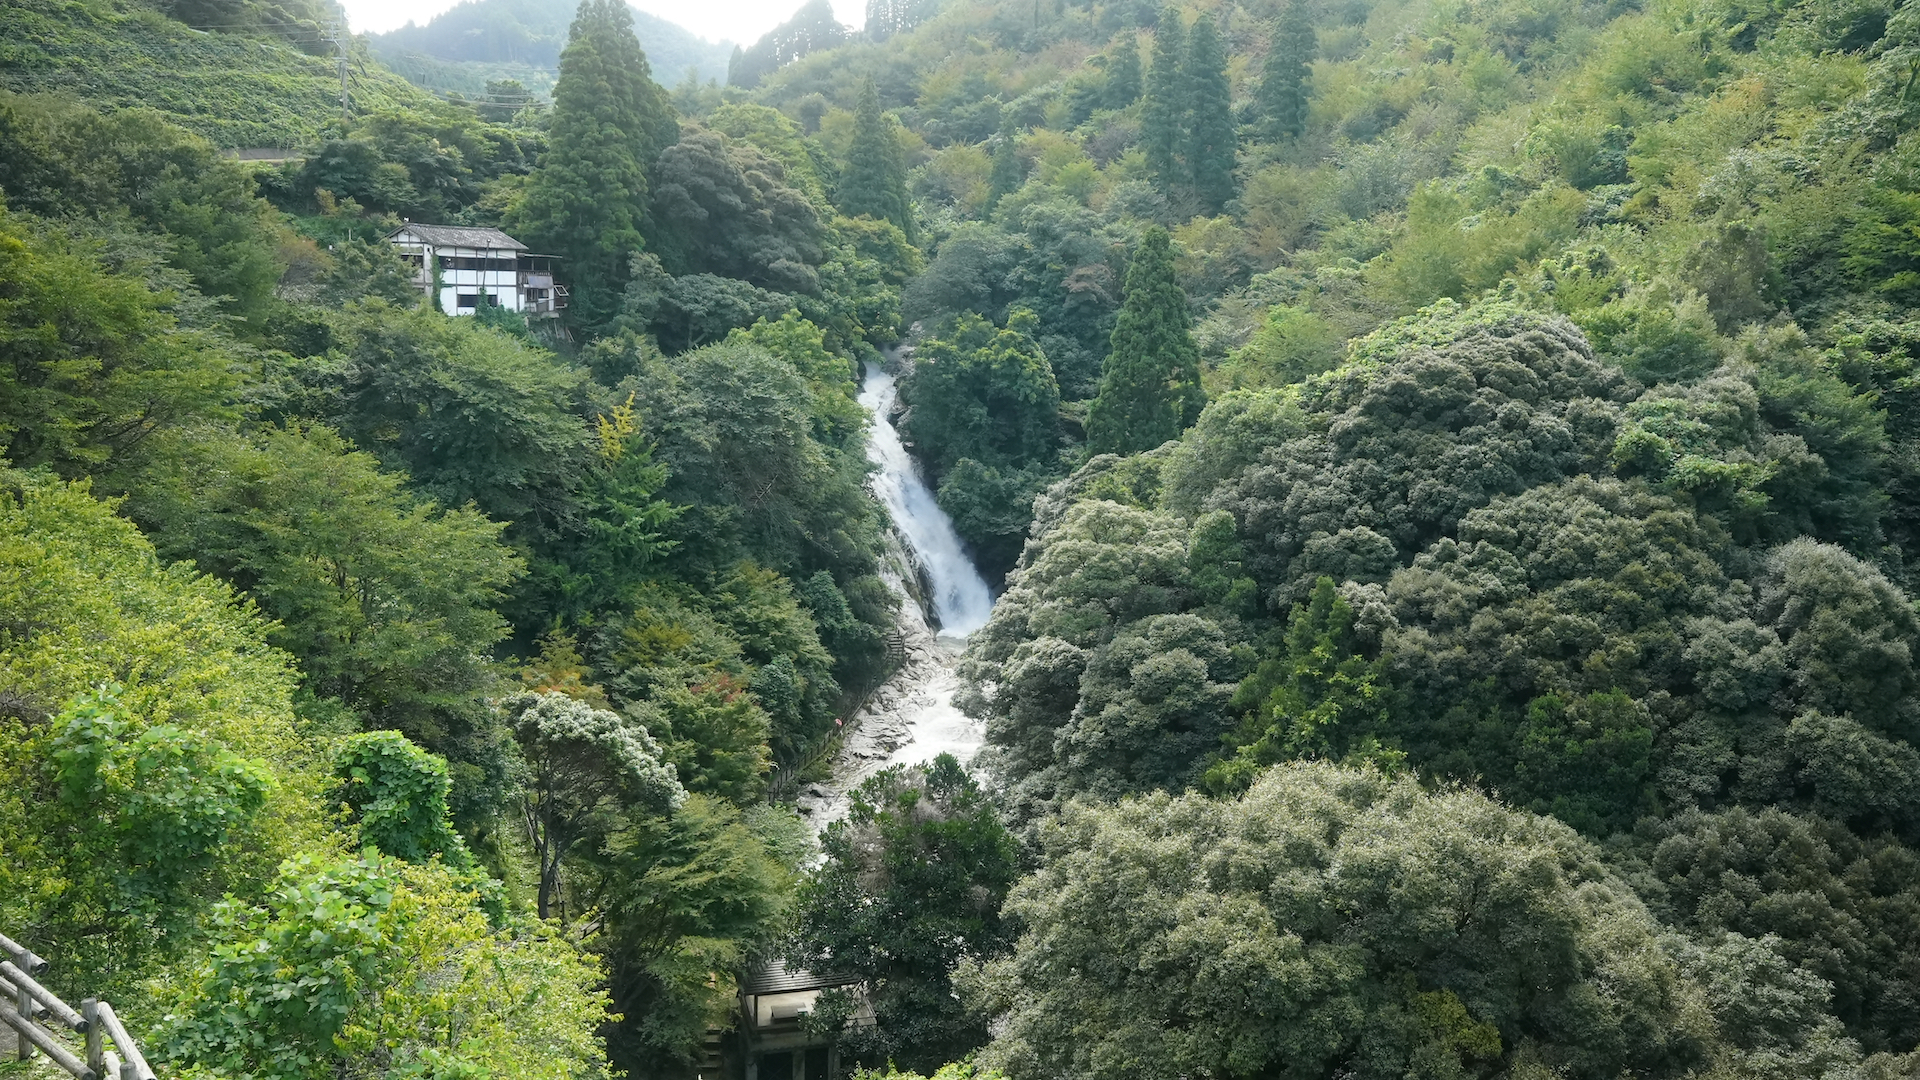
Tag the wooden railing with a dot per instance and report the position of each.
(23, 1001)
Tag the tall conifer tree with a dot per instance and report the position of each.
(874, 179)
(1208, 133)
(1160, 123)
(588, 199)
(1123, 73)
(1283, 79)
(1150, 390)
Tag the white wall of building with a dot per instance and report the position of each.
(503, 286)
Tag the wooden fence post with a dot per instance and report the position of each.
(96, 1038)
(23, 1006)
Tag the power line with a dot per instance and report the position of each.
(340, 44)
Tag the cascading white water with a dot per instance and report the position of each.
(961, 599)
(912, 717)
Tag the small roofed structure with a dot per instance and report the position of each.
(474, 267)
(773, 1000)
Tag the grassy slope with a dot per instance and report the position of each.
(236, 91)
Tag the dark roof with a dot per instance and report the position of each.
(460, 236)
(775, 977)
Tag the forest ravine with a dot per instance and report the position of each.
(1438, 485)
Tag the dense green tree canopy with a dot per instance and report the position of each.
(725, 209)
(873, 180)
(1284, 73)
(1458, 605)
(1207, 135)
(984, 393)
(912, 885)
(1150, 389)
(1332, 922)
(1160, 120)
(587, 202)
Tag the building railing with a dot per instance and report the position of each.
(23, 1001)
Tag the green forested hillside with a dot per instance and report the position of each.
(465, 46)
(1451, 467)
(276, 86)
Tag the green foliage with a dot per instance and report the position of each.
(585, 769)
(687, 898)
(1317, 697)
(530, 35)
(96, 361)
(961, 1070)
(396, 795)
(1292, 345)
(1822, 899)
(873, 178)
(723, 208)
(1123, 82)
(1093, 606)
(587, 201)
(376, 965)
(735, 425)
(812, 28)
(132, 797)
(1150, 389)
(991, 509)
(1619, 528)
(1331, 920)
(147, 810)
(387, 600)
(599, 568)
(62, 158)
(715, 737)
(1207, 139)
(1284, 92)
(911, 885)
(1009, 172)
(473, 416)
(429, 164)
(983, 393)
(1160, 118)
(239, 86)
(801, 159)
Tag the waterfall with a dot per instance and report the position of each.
(961, 599)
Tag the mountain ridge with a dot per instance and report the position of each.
(462, 47)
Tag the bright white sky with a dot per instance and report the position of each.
(741, 21)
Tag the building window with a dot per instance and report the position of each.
(466, 300)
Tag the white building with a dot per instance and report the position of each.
(480, 266)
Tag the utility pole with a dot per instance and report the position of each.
(337, 35)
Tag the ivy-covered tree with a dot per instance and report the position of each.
(1283, 89)
(1150, 390)
(396, 794)
(1316, 697)
(587, 202)
(873, 180)
(1207, 131)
